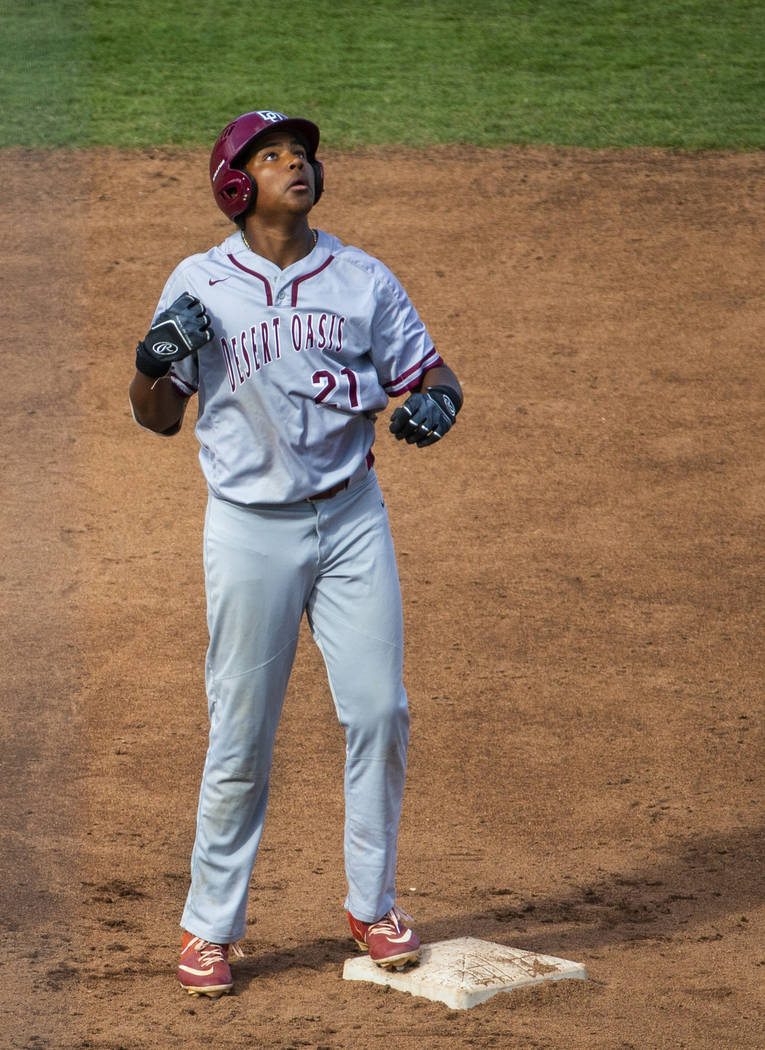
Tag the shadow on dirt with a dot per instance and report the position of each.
(705, 881)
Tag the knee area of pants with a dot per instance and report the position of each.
(382, 721)
(238, 776)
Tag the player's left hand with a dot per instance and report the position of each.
(178, 331)
(425, 417)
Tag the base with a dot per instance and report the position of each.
(466, 971)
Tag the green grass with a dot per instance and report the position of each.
(680, 73)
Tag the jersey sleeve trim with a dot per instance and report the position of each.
(411, 378)
(184, 388)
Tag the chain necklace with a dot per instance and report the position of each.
(314, 234)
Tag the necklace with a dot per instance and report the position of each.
(314, 235)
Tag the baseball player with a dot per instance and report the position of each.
(292, 343)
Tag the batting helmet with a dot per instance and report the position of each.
(233, 188)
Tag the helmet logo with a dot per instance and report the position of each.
(271, 115)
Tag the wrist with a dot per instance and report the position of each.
(148, 365)
(448, 391)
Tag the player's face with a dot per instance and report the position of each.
(283, 175)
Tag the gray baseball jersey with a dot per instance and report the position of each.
(301, 361)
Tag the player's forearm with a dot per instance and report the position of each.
(441, 375)
(156, 404)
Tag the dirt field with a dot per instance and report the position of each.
(581, 562)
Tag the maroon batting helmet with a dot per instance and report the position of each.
(233, 187)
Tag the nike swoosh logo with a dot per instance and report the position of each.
(211, 282)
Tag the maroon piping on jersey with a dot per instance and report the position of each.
(183, 388)
(307, 277)
(410, 379)
(254, 273)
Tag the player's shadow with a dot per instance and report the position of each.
(699, 882)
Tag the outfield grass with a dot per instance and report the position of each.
(679, 73)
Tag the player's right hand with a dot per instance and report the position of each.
(178, 331)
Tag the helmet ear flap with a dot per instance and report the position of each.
(235, 192)
(318, 179)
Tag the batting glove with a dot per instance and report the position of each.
(177, 332)
(424, 418)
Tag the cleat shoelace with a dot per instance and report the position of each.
(210, 953)
(392, 922)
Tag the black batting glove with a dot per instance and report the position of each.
(178, 331)
(424, 418)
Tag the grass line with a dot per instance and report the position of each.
(678, 73)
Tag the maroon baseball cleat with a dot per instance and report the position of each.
(388, 941)
(204, 969)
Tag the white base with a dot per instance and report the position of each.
(466, 971)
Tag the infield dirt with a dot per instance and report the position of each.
(581, 562)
